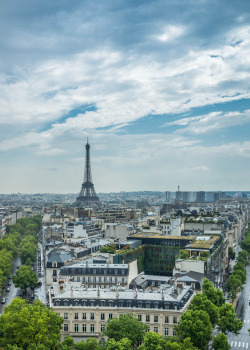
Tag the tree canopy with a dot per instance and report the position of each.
(25, 277)
(126, 326)
(195, 325)
(201, 302)
(220, 342)
(216, 296)
(228, 322)
(29, 326)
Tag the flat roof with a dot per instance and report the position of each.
(158, 236)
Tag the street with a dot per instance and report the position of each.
(13, 290)
(242, 340)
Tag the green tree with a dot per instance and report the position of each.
(197, 326)
(234, 286)
(25, 277)
(231, 253)
(5, 261)
(126, 326)
(9, 244)
(245, 244)
(200, 302)
(228, 322)
(243, 257)
(184, 254)
(216, 296)
(152, 341)
(220, 342)
(123, 344)
(27, 325)
(90, 344)
(242, 274)
(28, 251)
(67, 344)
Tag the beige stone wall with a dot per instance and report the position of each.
(158, 320)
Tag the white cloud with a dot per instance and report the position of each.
(211, 122)
(171, 33)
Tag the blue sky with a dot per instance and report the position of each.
(161, 88)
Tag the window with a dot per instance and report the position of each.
(65, 316)
(110, 316)
(105, 279)
(174, 319)
(54, 273)
(54, 264)
(166, 331)
(94, 279)
(147, 318)
(84, 328)
(76, 316)
(156, 329)
(156, 305)
(66, 327)
(78, 279)
(84, 316)
(102, 327)
(166, 319)
(76, 328)
(54, 279)
(83, 279)
(89, 279)
(92, 328)
(92, 316)
(174, 332)
(102, 316)
(100, 279)
(139, 317)
(155, 318)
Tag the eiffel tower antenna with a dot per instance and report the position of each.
(87, 196)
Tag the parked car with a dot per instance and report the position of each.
(9, 283)
(3, 301)
(7, 289)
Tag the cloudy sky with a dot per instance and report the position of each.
(160, 87)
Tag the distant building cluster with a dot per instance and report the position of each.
(144, 253)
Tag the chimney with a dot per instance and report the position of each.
(135, 293)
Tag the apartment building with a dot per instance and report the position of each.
(86, 311)
(95, 275)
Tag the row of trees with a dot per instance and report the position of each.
(239, 275)
(245, 244)
(20, 238)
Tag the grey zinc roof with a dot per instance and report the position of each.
(74, 290)
(59, 255)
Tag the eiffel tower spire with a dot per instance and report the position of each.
(87, 196)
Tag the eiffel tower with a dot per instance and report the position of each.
(87, 196)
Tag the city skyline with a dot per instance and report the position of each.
(160, 88)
